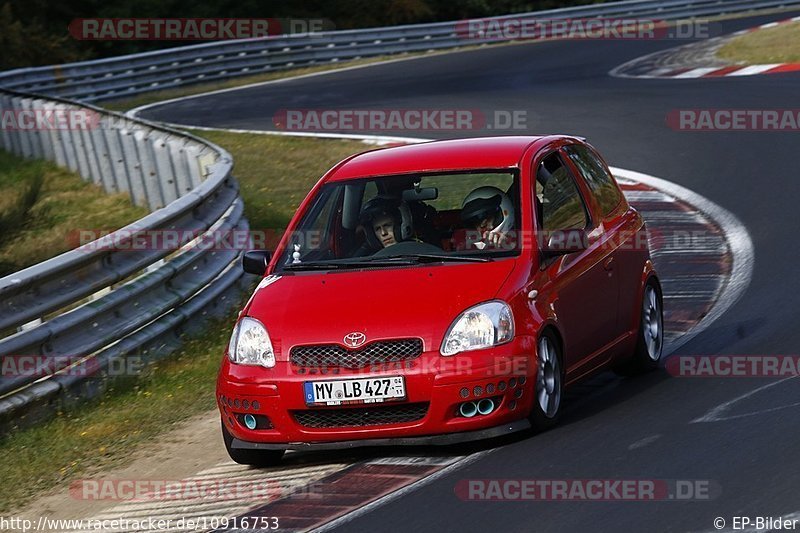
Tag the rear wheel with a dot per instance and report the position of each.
(549, 384)
(260, 458)
(650, 340)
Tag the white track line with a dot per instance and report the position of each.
(717, 414)
(753, 69)
(696, 72)
(736, 234)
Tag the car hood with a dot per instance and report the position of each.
(386, 303)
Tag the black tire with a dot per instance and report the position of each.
(548, 386)
(650, 338)
(259, 458)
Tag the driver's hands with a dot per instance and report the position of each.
(494, 238)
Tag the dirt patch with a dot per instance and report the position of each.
(195, 442)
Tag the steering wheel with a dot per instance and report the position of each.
(408, 247)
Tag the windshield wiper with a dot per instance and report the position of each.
(331, 265)
(392, 260)
(434, 258)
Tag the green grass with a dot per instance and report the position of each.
(780, 44)
(42, 205)
(275, 174)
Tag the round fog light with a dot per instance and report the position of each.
(250, 421)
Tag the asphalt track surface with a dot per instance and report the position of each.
(628, 428)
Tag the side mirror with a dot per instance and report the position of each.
(562, 242)
(255, 262)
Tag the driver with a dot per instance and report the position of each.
(383, 223)
(489, 212)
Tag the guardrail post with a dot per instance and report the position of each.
(105, 166)
(45, 144)
(16, 132)
(55, 139)
(112, 135)
(164, 171)
(30, 127)
(5, 134)
(149, 176)
(130, 156)
(92, 155)
(180, 165)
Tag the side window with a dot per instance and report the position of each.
(559, 205)
(597, 177)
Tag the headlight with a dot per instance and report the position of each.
(250, 344)
(483, 326)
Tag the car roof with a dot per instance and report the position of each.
(449, 155)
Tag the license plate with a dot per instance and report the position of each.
(345, 391)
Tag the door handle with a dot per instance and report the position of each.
(608, 264)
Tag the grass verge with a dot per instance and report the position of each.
(41, 204)
(275, 173)
(780, 44)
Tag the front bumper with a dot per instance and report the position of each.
(506, 374)
(433, 440)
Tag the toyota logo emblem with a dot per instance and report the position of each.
(355, 339)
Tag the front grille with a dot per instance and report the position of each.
(361, 416)
(334, 355)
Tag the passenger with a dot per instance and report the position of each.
(488, 211)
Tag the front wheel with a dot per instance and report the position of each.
(258, 458)
(549, 384)
(650, 339)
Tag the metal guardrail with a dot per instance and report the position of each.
(156, 294)
(129, 75)
(63, 306)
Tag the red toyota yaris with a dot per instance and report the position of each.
(436, 293)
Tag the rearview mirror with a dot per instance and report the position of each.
(416, 195)
(255, 262)
(562, 242)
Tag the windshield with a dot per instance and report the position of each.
(408, 219)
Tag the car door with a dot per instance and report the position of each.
(620, 225)
(583, 283)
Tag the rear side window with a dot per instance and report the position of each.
(558, 203)
(597, 177)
